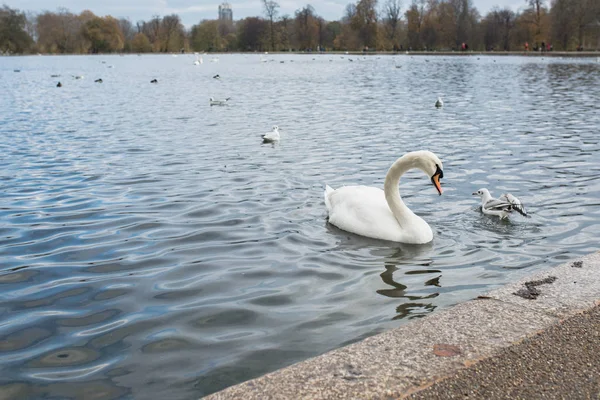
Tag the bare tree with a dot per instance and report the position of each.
(306, 28)
(364, 22)
(271, 12)
(171, 32)
(497, 28)
(285, 27)
(391, 11)
(349, 13)
(536, 6)
(31, 24)
(415, 16)
(127, 28)
(251, 32)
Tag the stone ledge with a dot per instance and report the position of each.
(402, 361)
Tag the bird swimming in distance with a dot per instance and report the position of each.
(98, 80)
(59, 84)
(501, 207)
(214, 102)
(217, 76)
(381, 214)
(54, 76)
(272, 136)
(154, 81)
(78, 76)
(439, 102)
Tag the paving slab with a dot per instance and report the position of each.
(576, 288)
(405, 360)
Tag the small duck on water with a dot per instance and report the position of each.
(439, 103)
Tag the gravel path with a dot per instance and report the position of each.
(562, 362)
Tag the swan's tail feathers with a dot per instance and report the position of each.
(328, 191)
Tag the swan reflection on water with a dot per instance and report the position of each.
(401, 262)
(417, 306)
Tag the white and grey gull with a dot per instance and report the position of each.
(272, 136)
(502, 206)
(214, 102)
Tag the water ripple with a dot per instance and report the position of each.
(152, 247)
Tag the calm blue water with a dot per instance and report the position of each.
(152, 247)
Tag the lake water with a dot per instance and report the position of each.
(152, 247)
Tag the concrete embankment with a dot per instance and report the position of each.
(536, 338)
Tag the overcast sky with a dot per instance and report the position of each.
(193, 11)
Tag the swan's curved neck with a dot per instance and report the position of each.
(391, 189)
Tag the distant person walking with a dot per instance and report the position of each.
(526, 46)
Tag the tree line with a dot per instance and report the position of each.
(366, 25)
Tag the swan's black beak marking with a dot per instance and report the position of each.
(435, 179)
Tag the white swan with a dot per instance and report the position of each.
(439, 103)
(501, 207)
(381, 214)
(272, 136)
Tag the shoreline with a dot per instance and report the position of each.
(436, 349)
(570, 54)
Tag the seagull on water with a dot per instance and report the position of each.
(214, 102)
(272, 136)
(439, 102)
(502, 207)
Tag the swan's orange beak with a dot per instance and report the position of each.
(435, 179)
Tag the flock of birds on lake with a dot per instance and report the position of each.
(372, 212)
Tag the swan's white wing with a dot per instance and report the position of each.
(328, 191)
(363, 210)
